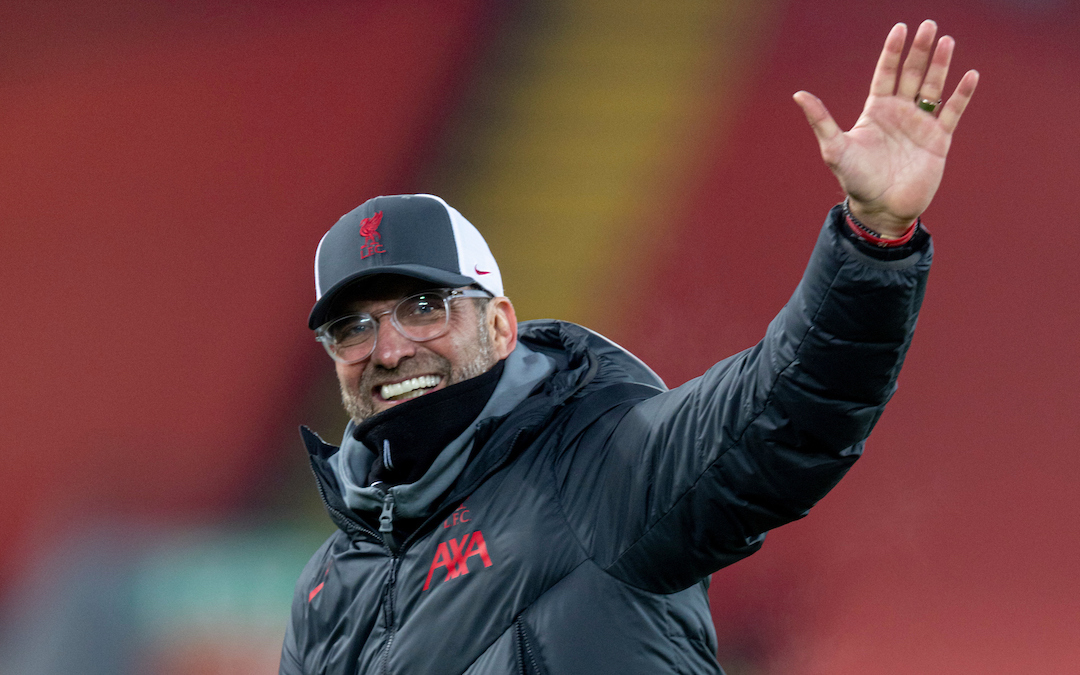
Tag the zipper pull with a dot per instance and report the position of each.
(386, 521)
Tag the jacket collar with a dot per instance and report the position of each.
(582, 359)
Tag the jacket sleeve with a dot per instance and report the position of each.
(290, 661)
(667, 490)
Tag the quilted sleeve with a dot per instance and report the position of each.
(664, 491)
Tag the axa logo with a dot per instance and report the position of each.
(369, 230)
(454, 556)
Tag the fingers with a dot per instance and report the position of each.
(888, 64)
(915, 64)
(954, 107)
(934, 85)
(923, 76)
(825, 128)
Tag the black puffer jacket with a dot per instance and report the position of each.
(580, 537)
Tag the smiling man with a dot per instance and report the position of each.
(532, 499)
(425, 353)
(414, 316)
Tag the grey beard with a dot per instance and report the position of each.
(360, 407)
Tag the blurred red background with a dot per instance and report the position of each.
(170, 167)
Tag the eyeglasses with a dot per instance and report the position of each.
(421, 317)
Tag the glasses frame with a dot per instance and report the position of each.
(322, 333)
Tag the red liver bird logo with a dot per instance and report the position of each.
(369, 230)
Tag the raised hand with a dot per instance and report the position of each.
(891, 162)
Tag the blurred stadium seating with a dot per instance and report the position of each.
(170, 167)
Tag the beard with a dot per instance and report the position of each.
(360, 403)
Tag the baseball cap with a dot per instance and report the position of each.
(419, 236)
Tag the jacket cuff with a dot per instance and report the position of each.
(920, 239)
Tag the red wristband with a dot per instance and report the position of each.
(873, 237)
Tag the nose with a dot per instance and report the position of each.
(390, 345)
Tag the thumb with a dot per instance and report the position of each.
(825, 128)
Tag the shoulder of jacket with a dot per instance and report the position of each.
(574, 346)
(317, 563)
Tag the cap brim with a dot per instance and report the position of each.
(320, 313)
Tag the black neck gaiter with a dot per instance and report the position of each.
(407, 438)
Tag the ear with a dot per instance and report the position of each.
(503, 323)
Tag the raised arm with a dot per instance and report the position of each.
(891, 162)
(673, 487)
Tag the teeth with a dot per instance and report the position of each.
(413, 387)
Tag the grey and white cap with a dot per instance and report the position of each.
(418, 236)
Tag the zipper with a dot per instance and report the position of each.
(525, 653)
(388, 613)
(386, 529)
(386, 522)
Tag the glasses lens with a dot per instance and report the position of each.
(351, 338)
(423, 316)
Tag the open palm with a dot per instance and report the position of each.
(891, 162)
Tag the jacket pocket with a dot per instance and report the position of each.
(528, 659)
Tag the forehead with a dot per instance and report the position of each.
(377, 290)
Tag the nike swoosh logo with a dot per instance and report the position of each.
(315, 591)
(477, 269)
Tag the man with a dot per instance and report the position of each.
(531, 499)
